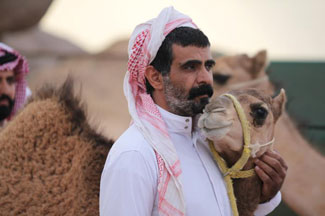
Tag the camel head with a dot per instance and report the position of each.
(221, 124)
(234, 72)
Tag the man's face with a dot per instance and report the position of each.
(188, 86)
(7, 93)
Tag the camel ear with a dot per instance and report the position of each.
(279, 104)
(259, 63)
(245, 61)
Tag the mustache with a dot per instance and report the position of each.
(205, 89)
(4, 97)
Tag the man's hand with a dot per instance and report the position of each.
(272, 170)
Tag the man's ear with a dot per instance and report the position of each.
(154, 77)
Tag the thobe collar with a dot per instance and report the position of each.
(178, 124)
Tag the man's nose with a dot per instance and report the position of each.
(204, 76)
(4, 87)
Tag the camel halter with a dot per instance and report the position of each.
(236, 170)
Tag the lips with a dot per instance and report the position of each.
(4, 102)
(202, 96)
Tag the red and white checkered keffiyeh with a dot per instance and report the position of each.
(20, 68)
(143, 47)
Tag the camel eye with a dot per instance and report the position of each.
(220, 79)
(259, 114)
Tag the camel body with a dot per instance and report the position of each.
(51, 160)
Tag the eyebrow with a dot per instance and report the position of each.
(194, 61)
(189, 62)
(210, 62)
(10, 77)
(257, 105)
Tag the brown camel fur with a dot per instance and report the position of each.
(304, 187)
(221, 124)
(51, 160)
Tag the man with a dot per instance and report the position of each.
(162, 165)
(13, 69)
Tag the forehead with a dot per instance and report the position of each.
(251, 96)
(181, 54)
(7, 73)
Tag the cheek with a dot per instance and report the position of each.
(237, 130)
(211, 79)
(263, 134)
(187, 83)
(12, 91)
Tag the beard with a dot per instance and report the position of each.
(185, 104)
(5, 110)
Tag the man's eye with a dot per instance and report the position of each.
(189, 67)
(11, 80)
(209, 67)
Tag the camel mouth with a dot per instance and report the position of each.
(216, 134)
(217, 127)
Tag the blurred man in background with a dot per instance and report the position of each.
(13, 84)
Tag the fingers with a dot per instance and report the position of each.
(268, 174)
(276, 162)
(266, 179)
(278, 157)
(271, 167)
(270, 188)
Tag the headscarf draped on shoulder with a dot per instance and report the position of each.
(10, 59)
(143, 47)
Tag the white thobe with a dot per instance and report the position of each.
(130, 175)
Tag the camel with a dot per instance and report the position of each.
(238, 138)
(51, 159)
(304, 187)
